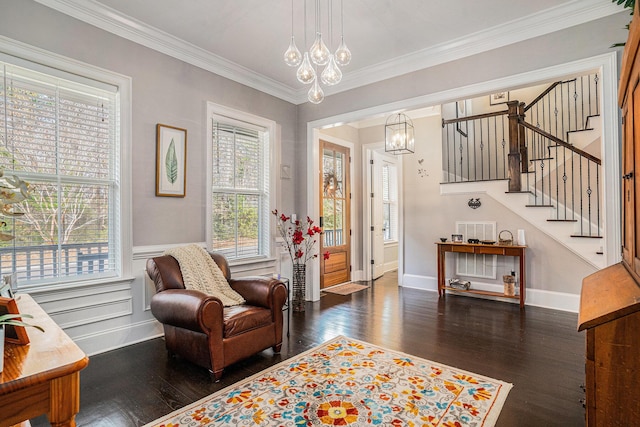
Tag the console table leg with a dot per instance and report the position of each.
(65, 400)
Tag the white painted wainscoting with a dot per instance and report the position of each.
(104, 316)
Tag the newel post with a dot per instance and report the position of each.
(524, 155)
(514, 147)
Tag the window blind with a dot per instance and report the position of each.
(60, 137)
(240, 193)
(390, 201)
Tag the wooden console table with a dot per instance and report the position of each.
(469, 248)
(42, 377)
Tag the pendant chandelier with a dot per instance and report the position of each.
(319, 54)
(398, 134)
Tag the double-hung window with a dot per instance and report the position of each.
(239, 216)
(390, 201)
(60, 133)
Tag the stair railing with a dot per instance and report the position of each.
(565, 106)
(564, 178)
(475, 148)
(503, 145)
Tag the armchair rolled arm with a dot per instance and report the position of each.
(261, 291)
(188, 309)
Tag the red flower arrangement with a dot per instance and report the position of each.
(299, 237)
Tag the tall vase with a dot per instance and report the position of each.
(299, 286)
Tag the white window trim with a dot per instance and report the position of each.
(231, 115)
(124, 254)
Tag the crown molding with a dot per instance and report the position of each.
(557, 18)
(113, 21)
(547, 21)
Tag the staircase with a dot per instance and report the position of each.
(540, 160)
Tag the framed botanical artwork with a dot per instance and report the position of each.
(171, 161)
(12, 333)
(499, 98)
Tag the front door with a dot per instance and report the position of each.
(335, 205)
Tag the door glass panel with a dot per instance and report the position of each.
(339, 162)
(339, 225)
(328, 173)
(328, 225)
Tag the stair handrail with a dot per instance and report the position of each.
(561, 142)
(542, 95)
(475, 117)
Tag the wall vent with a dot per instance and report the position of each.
(471, 265)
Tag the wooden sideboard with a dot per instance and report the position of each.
(482, 249)
(42, 377)
(610, 313)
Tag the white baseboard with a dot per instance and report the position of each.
(111, 339)
(357, 275)
(390, 266)
(534, 297)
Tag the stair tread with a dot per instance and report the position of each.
(540, 206)
(587, 236)
(541, 159)
(519, 192)
(562, 220)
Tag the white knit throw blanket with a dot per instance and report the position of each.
(201, 273)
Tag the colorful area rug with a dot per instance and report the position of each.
(348, 382)
(346, 289)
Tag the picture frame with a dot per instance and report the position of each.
(499, 98)
(171, 161)
(5, 290)
(13, 334)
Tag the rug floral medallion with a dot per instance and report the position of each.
(345, 382)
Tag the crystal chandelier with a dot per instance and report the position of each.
(318, 54)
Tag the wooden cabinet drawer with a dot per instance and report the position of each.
(489, 250)
(464, 249)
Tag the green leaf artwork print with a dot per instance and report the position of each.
(171, 163)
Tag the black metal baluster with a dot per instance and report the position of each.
(557, 182)
(564, 179)
(555, 109)
(461, 158)
(495, 139)
(589, 194)
(481, 152)
(598, 198)
(470, 145)
(596, 79)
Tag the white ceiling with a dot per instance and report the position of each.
(244, 40)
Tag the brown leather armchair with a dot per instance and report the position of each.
(200, 329)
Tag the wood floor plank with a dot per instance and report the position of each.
(536, 349)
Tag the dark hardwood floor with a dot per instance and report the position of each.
(537, 350)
